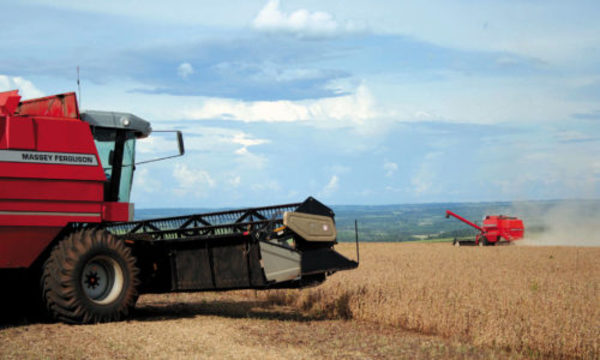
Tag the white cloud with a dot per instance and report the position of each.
(267, 111)
(249, 160)
(156, 144)
(185, 70)
(356, 110)
(245, 140)
(302, 23)
(332, 186)
(199, 138)
(390, 168)
(26, 88)
(192, 182)
(145, 182)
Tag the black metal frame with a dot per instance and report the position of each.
(221, 250)
(202, 226)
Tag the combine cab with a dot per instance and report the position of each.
(66, 219)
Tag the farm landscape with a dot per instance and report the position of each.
(143, 150)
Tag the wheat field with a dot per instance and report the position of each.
(536, 301)
(406, 300)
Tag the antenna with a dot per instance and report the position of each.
(78, 86)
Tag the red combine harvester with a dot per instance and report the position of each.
(496, 229)
(67, 235)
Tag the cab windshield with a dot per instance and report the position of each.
(116, 149)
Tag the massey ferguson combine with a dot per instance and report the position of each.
(66, 221)
(496, 229)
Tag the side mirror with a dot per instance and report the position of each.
(180, 143)
(180, 147)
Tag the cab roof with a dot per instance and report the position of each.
(117, 120)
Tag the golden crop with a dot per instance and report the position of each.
(540, 301)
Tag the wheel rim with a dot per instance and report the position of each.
(102, 280)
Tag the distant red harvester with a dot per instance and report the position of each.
(495, 228)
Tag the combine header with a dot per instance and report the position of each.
(496, 228)
(66, 222)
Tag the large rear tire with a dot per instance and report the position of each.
(90, 277)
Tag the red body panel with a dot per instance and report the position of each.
(509, 228)
(64, 105)
(59, 190)
(50, 176)
(117, 211)
(19, 133)
(51, 206)
(9, 101)
(20, 246)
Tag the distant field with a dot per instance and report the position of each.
(538, 301)
(414, 222)
(406, 300)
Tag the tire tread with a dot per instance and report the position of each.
(61, 292)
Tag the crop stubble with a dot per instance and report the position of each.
(542, 301)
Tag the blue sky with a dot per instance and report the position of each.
(348, 101)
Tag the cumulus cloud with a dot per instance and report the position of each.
(332, 186)
(145, 182)
(245, 140)
(192, 182)
(356, 110)
(198, 138)
(302, 22)
(26, 88)
(185, 70)
(205, 139)
(164, 144)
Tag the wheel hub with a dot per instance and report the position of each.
(92, 280)
(102, 279)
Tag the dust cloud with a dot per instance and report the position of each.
(562, 223)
